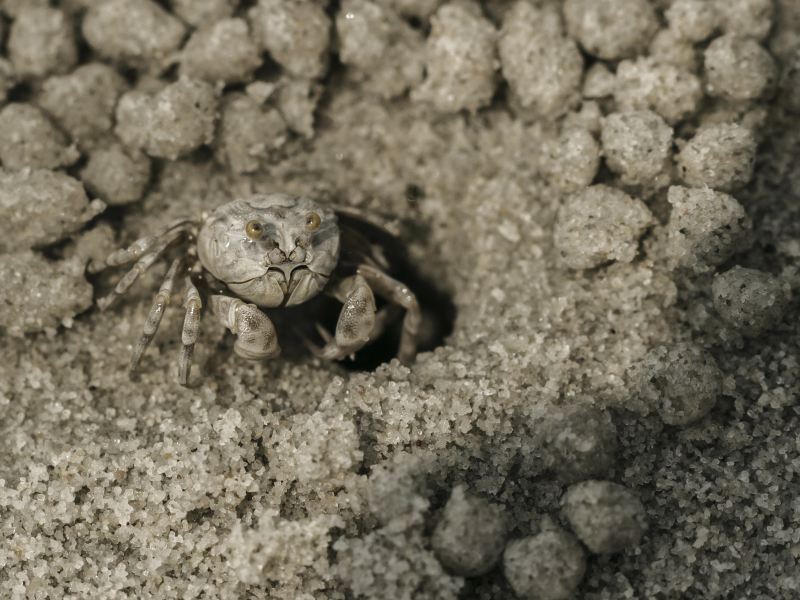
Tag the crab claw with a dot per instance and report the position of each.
(323, 333)
(331, 350)
(315, 349)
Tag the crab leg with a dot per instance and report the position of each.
(141, 265)
(397, 292)
(156, 312)
(356, 320)
(191, 327)
(256, 338)
(143, 245)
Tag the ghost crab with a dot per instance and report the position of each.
(266, 252)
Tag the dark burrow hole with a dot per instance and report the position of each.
(295, 324)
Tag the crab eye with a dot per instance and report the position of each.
(254, 230)
(312, 221)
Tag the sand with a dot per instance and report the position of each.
(602, 226)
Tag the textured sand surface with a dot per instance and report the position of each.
(607, 190)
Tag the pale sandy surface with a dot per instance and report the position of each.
(300, 479)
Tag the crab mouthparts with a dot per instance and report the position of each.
(288, 282)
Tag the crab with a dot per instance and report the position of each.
(265, 252)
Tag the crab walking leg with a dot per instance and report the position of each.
(256, 338)
(156, 312)
(356, 319)
(399, 293)
(191, 326)
(143, 245)
(144, 263)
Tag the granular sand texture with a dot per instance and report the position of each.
(608, 192)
